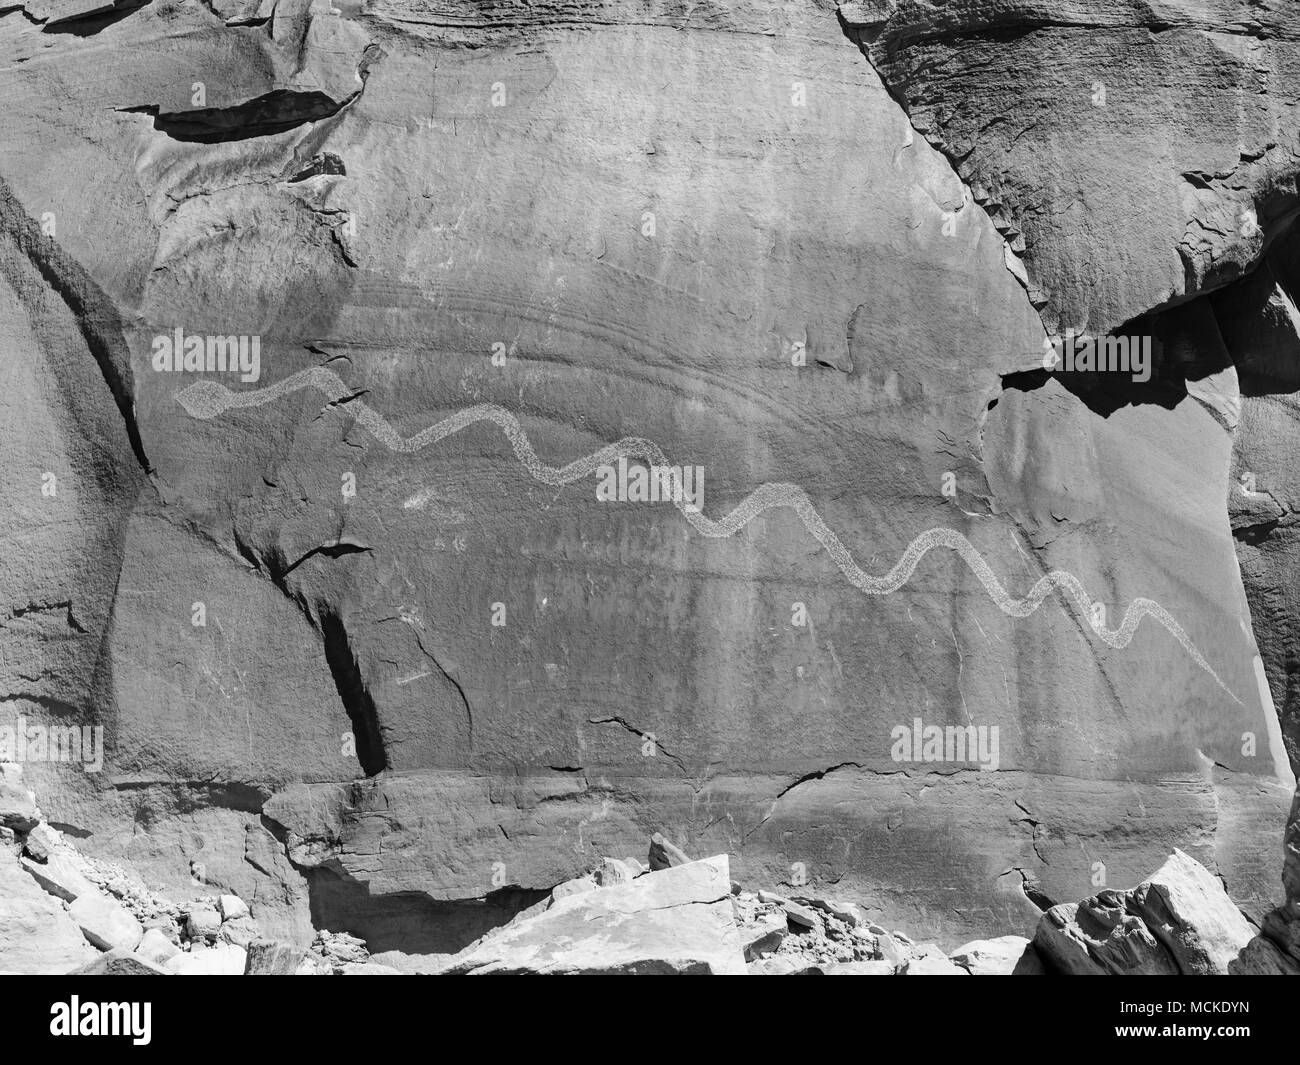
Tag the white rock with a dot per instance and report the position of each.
(37, 936)
(42, 841)
(1187, 909)
(928, 960)
(61, 876)
(1003, 956)
(676, 920)
(202, 922)
(774, 965)
(613, 871)
(105, 923)
(156, 947)
(312, 965)
(370, 968)
(224, 959)
(232, 907)
(574, 887)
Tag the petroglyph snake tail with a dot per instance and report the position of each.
(208, 399)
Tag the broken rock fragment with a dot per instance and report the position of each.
(677, 920)
(664, 855)
(1003, 956)
(105, 923)
(36, 934)
(1190, 913)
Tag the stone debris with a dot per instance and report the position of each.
(61, 912)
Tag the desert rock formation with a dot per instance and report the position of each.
(368, 649)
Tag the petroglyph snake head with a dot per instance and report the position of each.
(204, 399)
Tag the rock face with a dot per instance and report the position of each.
(359, 631)
(1204, 181)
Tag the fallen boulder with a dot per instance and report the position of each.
(1262, 957)
(614, 871)
(1003, 956)
(202, 922)
(60, 875)
(1098, 936)
(232, 907)
(1190, 913)
(676, 920)
(37, 936)
(42, 841)
(928, 960)
(156, 947)
(106, 924)
(223, 959)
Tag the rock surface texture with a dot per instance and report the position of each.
(339, 637)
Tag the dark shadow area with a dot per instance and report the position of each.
(352, 691)
(189, 796)
(326, 163)
(274, 112)
(91, 24)
(409, 921)
(1185, 345)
